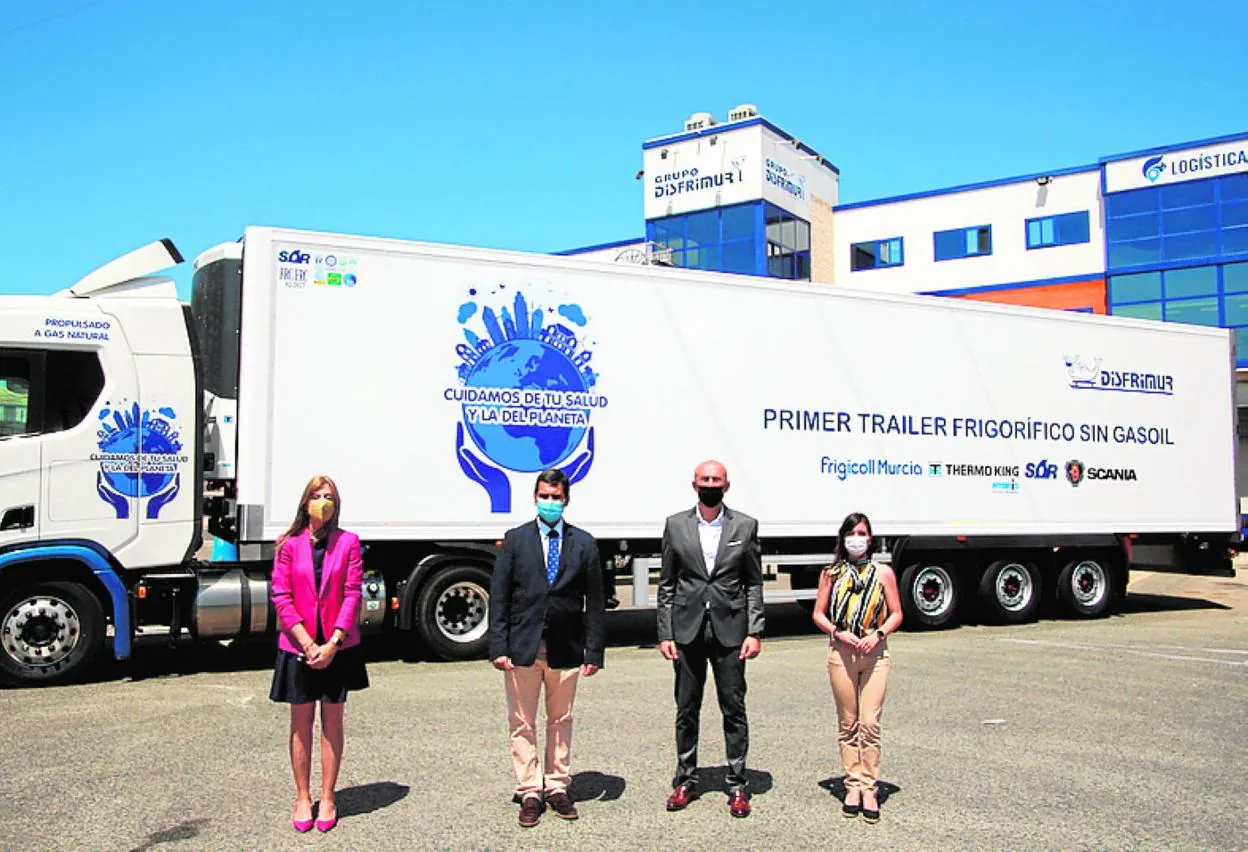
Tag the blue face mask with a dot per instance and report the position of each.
(550, 511)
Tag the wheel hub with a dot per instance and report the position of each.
(1014, 587)
(462, 612)
(1088, 582)
(40, 631)
(933, 590)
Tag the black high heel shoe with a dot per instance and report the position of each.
(869, 815)
(850, 811)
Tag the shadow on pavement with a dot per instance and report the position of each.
(836, 786)
(367, 798)
(1140, 602)
(714, 779)
(188, 830)
(595, 786)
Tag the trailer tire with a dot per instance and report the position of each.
(929, 594)
(1010, 591)
(453, 612)
(1085, 587)
(49, 633)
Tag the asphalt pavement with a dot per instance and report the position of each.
(1121, 733)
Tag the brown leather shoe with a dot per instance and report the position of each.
(739, 805)
(530, 811)
(562, 805)
(681, 797)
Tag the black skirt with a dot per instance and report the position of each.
(295, 682)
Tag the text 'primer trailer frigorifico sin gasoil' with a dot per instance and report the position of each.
(1009, 456)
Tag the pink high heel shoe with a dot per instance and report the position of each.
(324, 825)
(303, 826)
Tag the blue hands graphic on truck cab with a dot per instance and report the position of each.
(493, 480)
(119, 502)
(159, 501)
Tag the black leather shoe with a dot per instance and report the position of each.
(850, 811)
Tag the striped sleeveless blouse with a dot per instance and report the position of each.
(857, 598)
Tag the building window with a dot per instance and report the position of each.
(788, 245)
(756, 238)
(876, 254)
(1203, 220)
(1063, 230)
(963, 242)
(1212, 295)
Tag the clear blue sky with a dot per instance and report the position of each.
(519, 125)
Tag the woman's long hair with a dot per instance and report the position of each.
(302, 519)
(852, 520)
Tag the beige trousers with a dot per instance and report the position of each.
(859, 682)
(524, 688)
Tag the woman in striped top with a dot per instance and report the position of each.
(858, 606)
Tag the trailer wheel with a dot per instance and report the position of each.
(49, 633)
(929, 594)
(1085, 587)
(454, 612)
(1010, 591)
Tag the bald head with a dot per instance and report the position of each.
(710, 480)
(710, 470)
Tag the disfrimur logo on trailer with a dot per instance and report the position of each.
(526, 389)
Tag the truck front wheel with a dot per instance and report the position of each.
(1084, 588)
(1010, 591)
(49, 633)
(929, 594)
(453, 609)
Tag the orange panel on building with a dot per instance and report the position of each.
(1071, 296)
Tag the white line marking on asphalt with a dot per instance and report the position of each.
(1127, 650)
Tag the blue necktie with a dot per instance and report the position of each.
(552, 557)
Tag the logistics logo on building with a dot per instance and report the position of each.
(691, 180)
(140, 454)
(525, 392)
(1153, 168)
(1087, 374)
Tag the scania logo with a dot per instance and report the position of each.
(1074, 471)
(1043, 469)
(1117, 474)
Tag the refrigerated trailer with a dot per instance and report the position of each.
(1008, 456)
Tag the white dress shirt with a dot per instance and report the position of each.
(709, 533)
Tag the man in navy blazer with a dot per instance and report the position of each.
(547, 626)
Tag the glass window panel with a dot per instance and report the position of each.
(1241, 346)
(1196, 281)
(1151, 311)
(1136, 201)
(702, 228)
(738, 222)
(803, 266)
(669, 232)
(1187, 194)
(1072, 228)
(788, 233)
(1033, 234)
(1131, 227)
(890, 252)
(1193, 311)
(862, 256)
(1141, 287)
(983, 240)
(803, 235)
(1235, 278)
(708, 258)
(1233, 186)
(1235, 309)
(1234, 214)
(738, 257)
(1189, 245)
(780, 266)
(1234, 240)
(1046, 232)
(949, 245)
(1190, 219)
(1130, 254)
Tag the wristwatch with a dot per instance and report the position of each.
(337, 640)
(880, 633)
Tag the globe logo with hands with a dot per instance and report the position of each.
(526, 391)
(140, 454)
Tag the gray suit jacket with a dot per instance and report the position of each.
(732, 593)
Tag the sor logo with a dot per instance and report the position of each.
(1042, 469)
(1075, 472)
(293, 256)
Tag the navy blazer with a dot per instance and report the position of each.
(572, 611)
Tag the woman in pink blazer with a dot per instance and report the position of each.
(317, 574)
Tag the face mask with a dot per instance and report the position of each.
(322, 509)
(550, 511)
(710, 496)
(856, 545)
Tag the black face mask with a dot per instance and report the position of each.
(710, 497)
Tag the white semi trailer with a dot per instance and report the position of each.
(1008, 455)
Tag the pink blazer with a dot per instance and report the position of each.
(296, 598)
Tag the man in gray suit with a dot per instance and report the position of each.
(710, 610)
